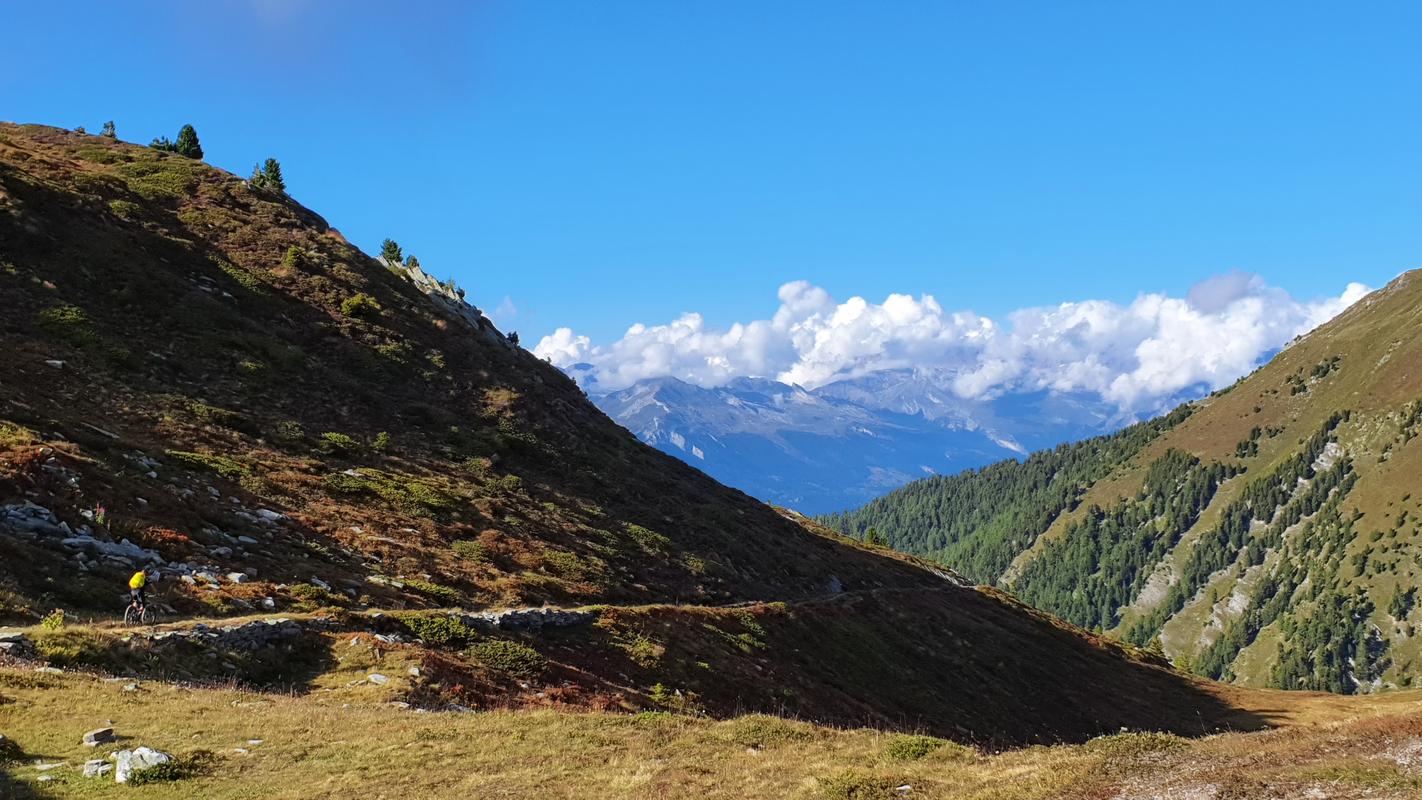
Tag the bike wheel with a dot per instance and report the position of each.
(130, 616)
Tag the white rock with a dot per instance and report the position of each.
(377, 679)
(127, 762)
(237, 577)
(55, 363)
(97, 768)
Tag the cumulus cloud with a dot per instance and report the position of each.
(1133, 355)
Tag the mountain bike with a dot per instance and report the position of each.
(137, 613)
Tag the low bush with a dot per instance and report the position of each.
(228, 468)
(126, 209)
(438, 629)
(69, 323)
(312, 596)
(510, 658)
(470, 550)
(218, 416)
(912, 748)
(54, 620)
(408, 494)
(361, 305)
(340, 444)
(436, 591)
(189, 765)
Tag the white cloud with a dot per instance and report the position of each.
(1133, 355)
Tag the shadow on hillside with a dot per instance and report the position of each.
(12, 788)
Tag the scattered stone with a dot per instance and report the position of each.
(377, 679)
(247, 540)
(130, 687)
(414, 672)
(45, 778)
(270, 515)
(99, 736)
(97, 768)
(269, 603)
(129, 762)
(49, 670)
(237, 577)
(57, 364)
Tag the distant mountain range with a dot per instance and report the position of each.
(844, 443)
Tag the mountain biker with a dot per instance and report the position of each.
(136, 586)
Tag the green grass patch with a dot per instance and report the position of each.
(222, 417)
(12, 435)
(125, 209)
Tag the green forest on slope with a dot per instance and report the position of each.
(1267, 534)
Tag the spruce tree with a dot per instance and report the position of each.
(187, 144)
(271, 174)
(390, 251)
(108, 130)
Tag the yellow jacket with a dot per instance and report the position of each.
(138, 581)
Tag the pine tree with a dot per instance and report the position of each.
(412, 263)
(872, 537)
(390, 252)
(187, 144)
(162, 143)
(108, 130)
(271, 173)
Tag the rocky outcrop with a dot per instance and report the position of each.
(127, 763)
(248, 636)
(15, 644)
(527, 619)
(35, 523)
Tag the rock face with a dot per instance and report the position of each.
(129, 762)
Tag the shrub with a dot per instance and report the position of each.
(759, 730)
(673, 699)
(289, 431)
(436, 591)
(381, 443)
(126, 209)
(12, 434)
(407, 494)
(228, 468)
(438, 629)
(361, 305)
(68, 322)
(510, 658)
(108, 130)
(470, 550)
(218, 416)
(198, 762)
(648, 540)
(54, 620)
(313, 596)
(339, 444)
(852, 785)
(295, 258)
(912, 748)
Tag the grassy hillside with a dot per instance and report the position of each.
(289, 428)
(234, 744)
(1267, 534)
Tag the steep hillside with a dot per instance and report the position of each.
(1266, 534)
(203, 376)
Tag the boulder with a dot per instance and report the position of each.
(98, 736)
(237, 577)
(97, 768)
(129, 762)
(377, 679)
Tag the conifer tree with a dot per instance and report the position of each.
(390, 251)
(187, 144)
(271, 172)
(108, 130)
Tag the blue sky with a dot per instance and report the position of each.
(604, 163)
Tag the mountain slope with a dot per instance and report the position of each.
(844, 443)
(1266, 534)
(282, 424)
